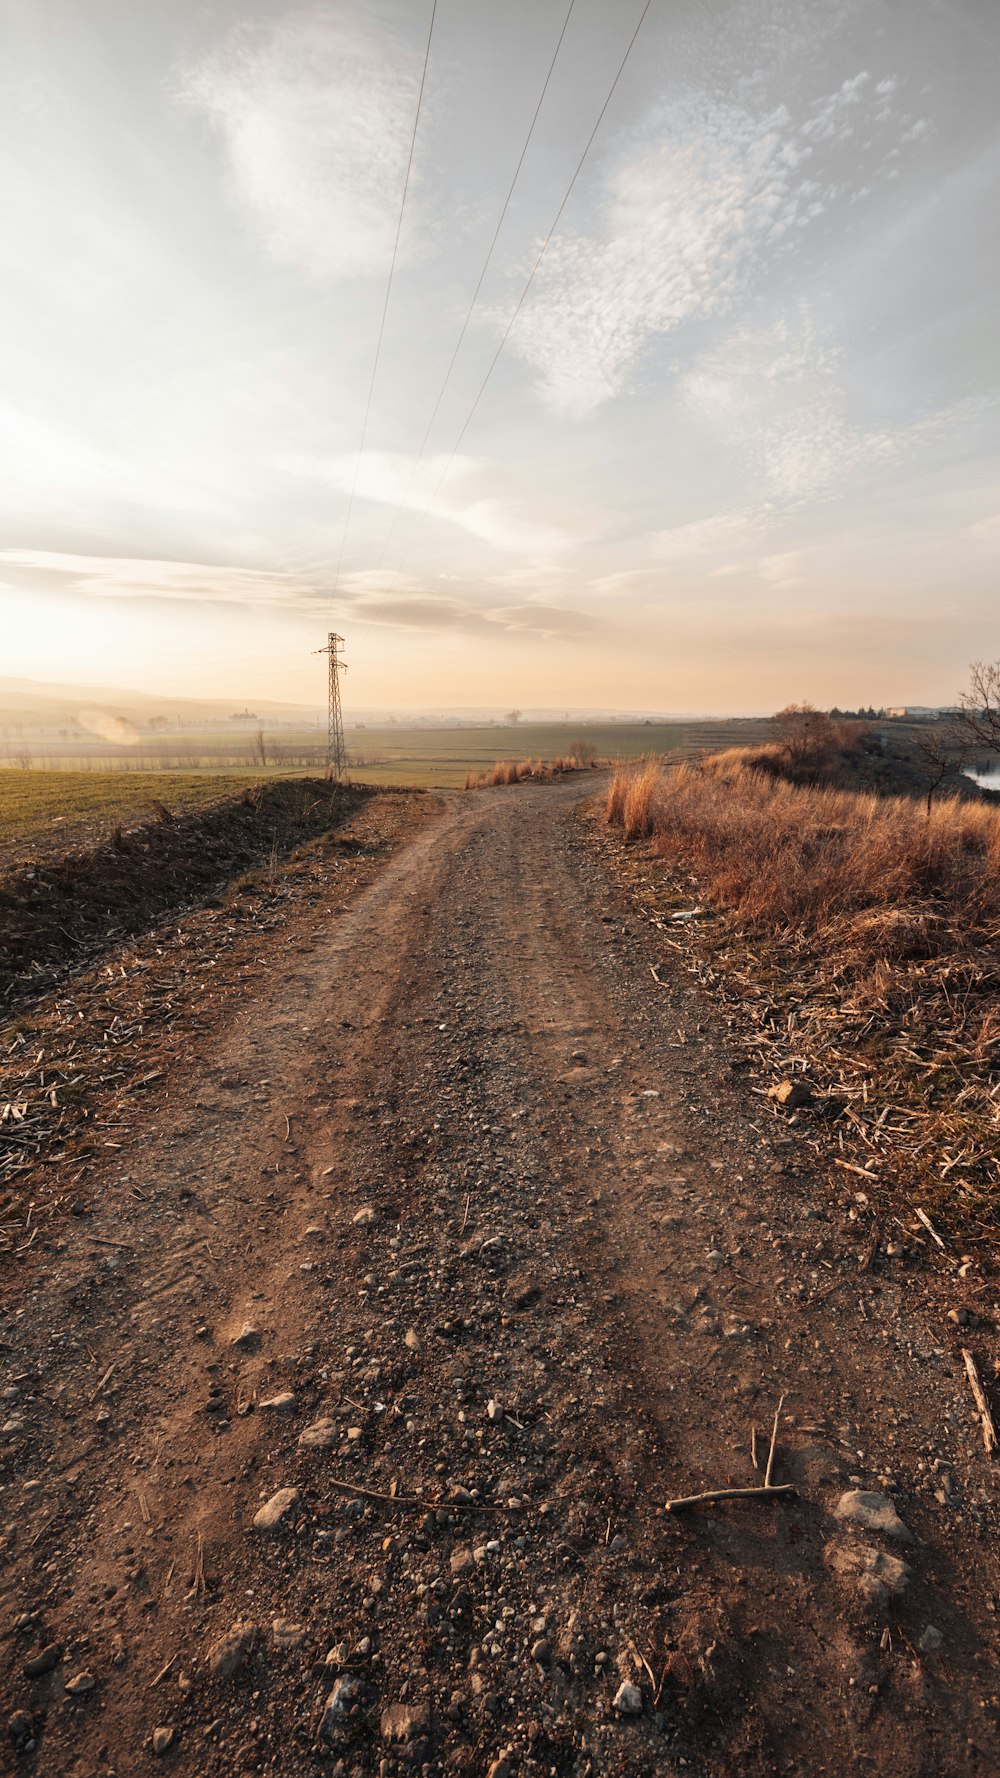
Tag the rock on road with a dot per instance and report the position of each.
(344, 1429)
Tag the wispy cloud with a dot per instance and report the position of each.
(986, 532)
(717, 535)
(482, 500)
(691, 220)
(409, 605)
(774, 398)
(314, 116)
(125, 577)
(405, 602)
(781, 571)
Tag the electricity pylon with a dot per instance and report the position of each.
(336, 752)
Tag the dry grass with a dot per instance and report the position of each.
(778, 855)
(519, 771)
(854, 935)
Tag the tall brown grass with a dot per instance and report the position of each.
(855, 935)
(511, 771)
(776, 855)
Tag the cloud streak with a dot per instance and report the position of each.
(126, 577)
(314, 120)
(475, 496)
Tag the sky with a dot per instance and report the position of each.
(740, 445)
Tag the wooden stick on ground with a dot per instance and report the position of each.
(102, 1382)
(985, 1415)
(774, 1440)
(766, 1492)
(780, 1489)
(923, 1217)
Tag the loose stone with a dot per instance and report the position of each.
(283, 1403)
(226, 1657)
(322, 1435)
(272, 1515)
(873, 1512)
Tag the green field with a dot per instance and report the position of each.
(393, 755)
(51, 811)
(57, 812)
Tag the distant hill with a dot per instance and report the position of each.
(30, 701)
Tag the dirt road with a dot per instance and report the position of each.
(462, 1248)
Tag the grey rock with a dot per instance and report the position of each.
(43, 1661)
(80, 1684)
(872, 1512)
(878, 1577)
(541, 1651)
(931, 1640)
(21, 1730)
(462, 1560)
(272, 1515)
(226, 1656)
(628, 1700)
(346, 1696)
(283, 1403)
(248, 1338)
(286, 1634)
(164, 1738)
(322, 1435)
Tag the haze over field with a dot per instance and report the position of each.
(742, 441)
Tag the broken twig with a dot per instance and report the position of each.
(985, 1414)
(774, 1440)
(765, 1493)
(923, 1217)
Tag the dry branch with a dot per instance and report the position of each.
(781, 1490)
(985, 1413)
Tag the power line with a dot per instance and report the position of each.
(475, 294)
(385, 305)
(517, 308)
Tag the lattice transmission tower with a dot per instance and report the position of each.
(336, 752)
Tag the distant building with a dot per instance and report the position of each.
(915, 710)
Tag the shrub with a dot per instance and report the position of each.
(779, 855)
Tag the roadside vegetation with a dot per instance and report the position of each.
(521, 771)
(856, 939)
(55, 812)
(60, 912)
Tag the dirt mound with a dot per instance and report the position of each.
(59, 914)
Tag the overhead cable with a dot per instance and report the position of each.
(519, 304)
(385, 305)
(475, 294)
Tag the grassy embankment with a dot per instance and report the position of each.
(62, 811)
(856, 939)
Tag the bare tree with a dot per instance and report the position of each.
(941, 750)
(513, 717)
(978, 717)
(261, 747)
